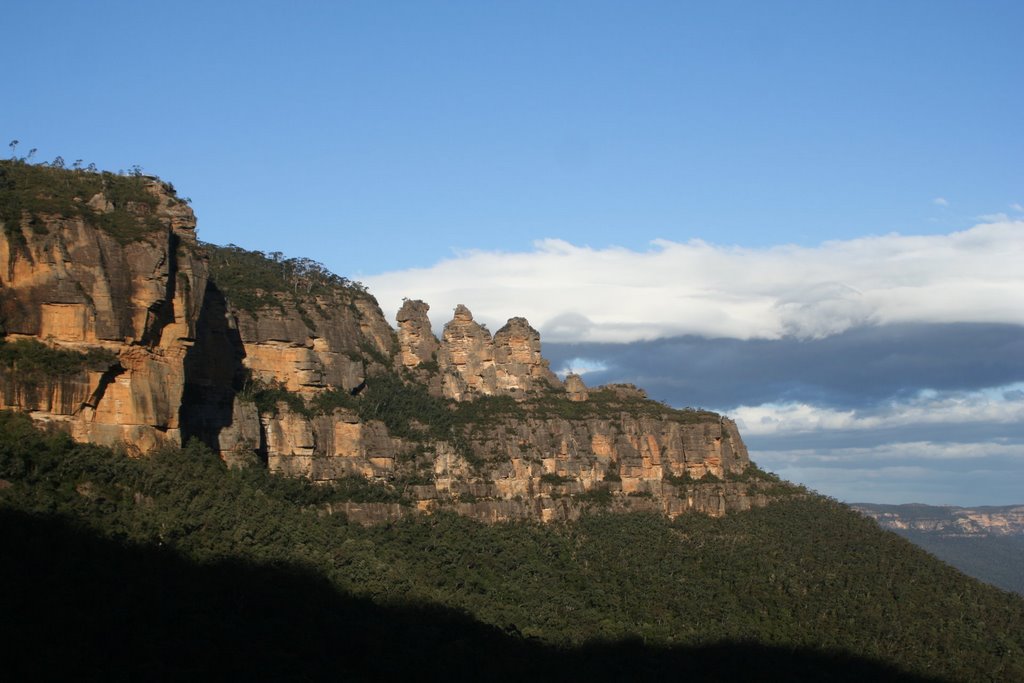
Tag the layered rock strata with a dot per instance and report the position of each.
(520, 465)
(297, 370)
(468, 361)
(79, 288)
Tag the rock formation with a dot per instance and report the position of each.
(416, 342)
(133, 289)
(575, 389)
(518, 364)
(276, 362)
(466, 358)
(469, 361)
(417, 346)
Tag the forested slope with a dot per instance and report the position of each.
(985, 542)
(175, 564)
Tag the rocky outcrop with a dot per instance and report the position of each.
(331, 446)
(303, 332)
(519, 366)
(311, 347)
(575, 389)
(416, 342)
(714, 500)
(466, 358)
(468, 361)
(282, 349)
(417, 346)
(276, 362)
(133, 289)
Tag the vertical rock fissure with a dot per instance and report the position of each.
(262, 450)
(162, 313)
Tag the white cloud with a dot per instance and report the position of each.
(969, 474)
(901, 484)
(573, 293)
(581, 366)
(940, 201)
(1017, 206)
(995, 405)
(898, 452)
(994, 217)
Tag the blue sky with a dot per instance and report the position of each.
(804, 174)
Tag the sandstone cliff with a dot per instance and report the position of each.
(452, 434)
(270, 324)
(101, 262)
(276, 362)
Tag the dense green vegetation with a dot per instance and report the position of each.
(806, 575)
(82, 607)
(605, 403)
(35, 363)
(252, 280)
(31, 191)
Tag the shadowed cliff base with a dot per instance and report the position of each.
(82, 606)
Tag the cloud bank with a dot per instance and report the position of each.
(916, 472)
(575, 293)
(853, 370)
(997, 405)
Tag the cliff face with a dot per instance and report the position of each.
(948, 521)
(517, 443)
(524, 464)
(117, 271)
(273, 325)
(318, 348)
(276, 362)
